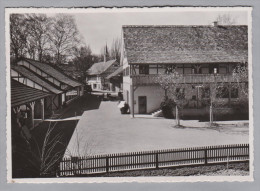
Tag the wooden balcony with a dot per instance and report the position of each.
(187, 78)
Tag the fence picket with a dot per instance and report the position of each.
(152, 159)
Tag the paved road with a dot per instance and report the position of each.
(105, 130)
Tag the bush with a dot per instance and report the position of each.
(124, 110)
(167, 107)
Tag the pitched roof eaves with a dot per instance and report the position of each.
(55, 68)
(98, 71)
(55, 90)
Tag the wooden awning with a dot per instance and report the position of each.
(22, 94)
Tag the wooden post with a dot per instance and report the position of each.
(107, 164)
(210, 115)
(156, 160)
(132, 101)
(32, 114)
(206, 156)
(177, 115)
(229, 94)
(42, 104)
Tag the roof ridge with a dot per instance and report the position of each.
(103, 69)
(102, 62)
(54, 67)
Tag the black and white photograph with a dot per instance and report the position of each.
(129, 94)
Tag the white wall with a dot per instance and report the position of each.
(154, 96)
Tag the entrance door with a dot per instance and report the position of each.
(142, 104)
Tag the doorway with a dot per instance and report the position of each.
(142, 101)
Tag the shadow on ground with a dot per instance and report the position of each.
(41, 155)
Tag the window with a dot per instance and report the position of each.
(143, 69)
(214, 69)
(94, 86)
(196, 69)
(222, 92)
(234, 92)
(222, 69)
(205, 93)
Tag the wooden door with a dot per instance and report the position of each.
(142, 104)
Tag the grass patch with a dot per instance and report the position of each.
(234, 169)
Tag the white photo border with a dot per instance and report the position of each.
(249, 178)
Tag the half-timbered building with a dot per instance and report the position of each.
(201, 54)
(97, 75)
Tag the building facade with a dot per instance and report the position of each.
(116, 80)
(98, 73)
(34, 76)
(202, 55)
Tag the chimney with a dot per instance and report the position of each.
(215, 23)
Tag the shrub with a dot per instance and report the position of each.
(167, 107)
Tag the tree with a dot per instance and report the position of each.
(172, 83)
(64, 37)
(115, 50)
(104, 53)
(240, 76)
(18, 36)
(214, 92)
(38, 26)
(83, 59)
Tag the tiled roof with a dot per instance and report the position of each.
(54, 72)
(185, 44)
(115, 73)
(71, 70)
(22, 94)
(35, 78)
(100, 67)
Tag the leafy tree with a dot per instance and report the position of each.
(104, 54)
(115, 50)
(212, 91)
(171, 83)
(38, 26)
(112, 53)
(64, 37)
(83, 59)
(240, 76)
(18, 36)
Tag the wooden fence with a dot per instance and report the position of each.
(74, 166)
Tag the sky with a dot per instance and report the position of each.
(99, 28)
